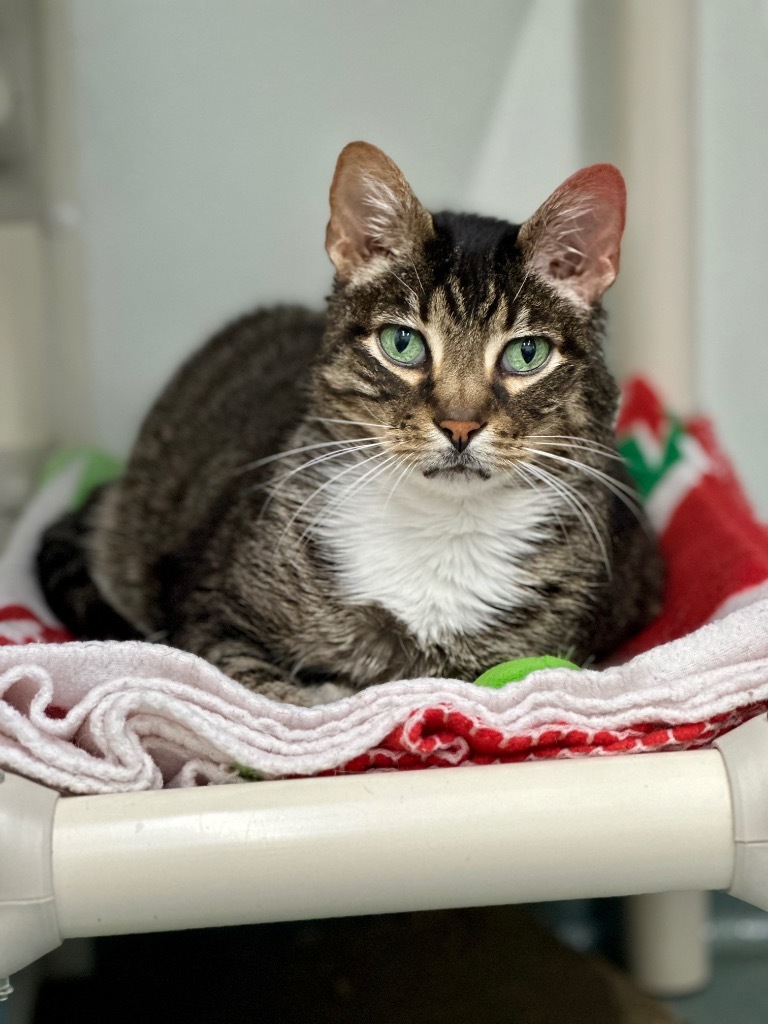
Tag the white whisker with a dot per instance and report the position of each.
(571, 441)
(275, 484)
(353, 423)
(413, 266)
(357, 464)
(517, 293)
(579, 504)
(277, 456)
(410, 465)
(345, 492)
(408, 287)
(348, 492)
(319, 459)
(622, 491)
(522, 469)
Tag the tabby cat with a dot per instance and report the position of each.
(420, 482)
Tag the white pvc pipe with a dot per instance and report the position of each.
(653, 320)
(329, 847)
(654, 324)
(667, 938)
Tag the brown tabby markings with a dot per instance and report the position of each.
(297, 511)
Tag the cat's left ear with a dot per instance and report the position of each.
(374, 214)
(573, 239)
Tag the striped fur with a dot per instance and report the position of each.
(293, 510)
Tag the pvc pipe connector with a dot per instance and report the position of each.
(745, 752)
(29, 926)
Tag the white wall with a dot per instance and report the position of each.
(732, 223)
(192, 182)
(205, 139)
(23, 423)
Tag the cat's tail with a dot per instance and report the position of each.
(65, 578)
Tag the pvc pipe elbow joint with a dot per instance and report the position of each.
(29, 927)
(745, 753)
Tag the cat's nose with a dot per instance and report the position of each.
(460, 432)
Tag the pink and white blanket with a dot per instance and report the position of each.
(97, 717)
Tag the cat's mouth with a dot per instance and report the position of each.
(457, 470)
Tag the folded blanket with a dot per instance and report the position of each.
(96, 717)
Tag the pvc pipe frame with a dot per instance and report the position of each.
(654, 320)
(654, 315)
(368, 844)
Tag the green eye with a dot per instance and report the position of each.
(526, 355)
(403, 345)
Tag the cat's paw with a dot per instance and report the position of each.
(326, 693)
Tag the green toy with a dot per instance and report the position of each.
(246, 773)
(514, 671)
(96, 468)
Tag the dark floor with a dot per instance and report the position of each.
(738, 990)
(448, 967)
(453, 966)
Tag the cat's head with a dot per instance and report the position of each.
(459, 339)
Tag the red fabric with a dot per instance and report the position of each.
(18, 625)
(713, 546)
(436, 737)
(641, 407)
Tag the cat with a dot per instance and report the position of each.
(422, 481)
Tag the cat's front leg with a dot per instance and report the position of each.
(246, 663)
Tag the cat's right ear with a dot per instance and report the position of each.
(375, 216)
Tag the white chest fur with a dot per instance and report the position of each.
(442, 557)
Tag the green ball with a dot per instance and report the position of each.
(514, 671)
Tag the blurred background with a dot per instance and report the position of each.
(164, 166)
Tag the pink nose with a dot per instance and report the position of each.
(460, 432)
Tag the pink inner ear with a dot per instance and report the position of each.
(604, 182)
(578, 232)
(373, 210)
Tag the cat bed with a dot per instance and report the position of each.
(100, 717)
